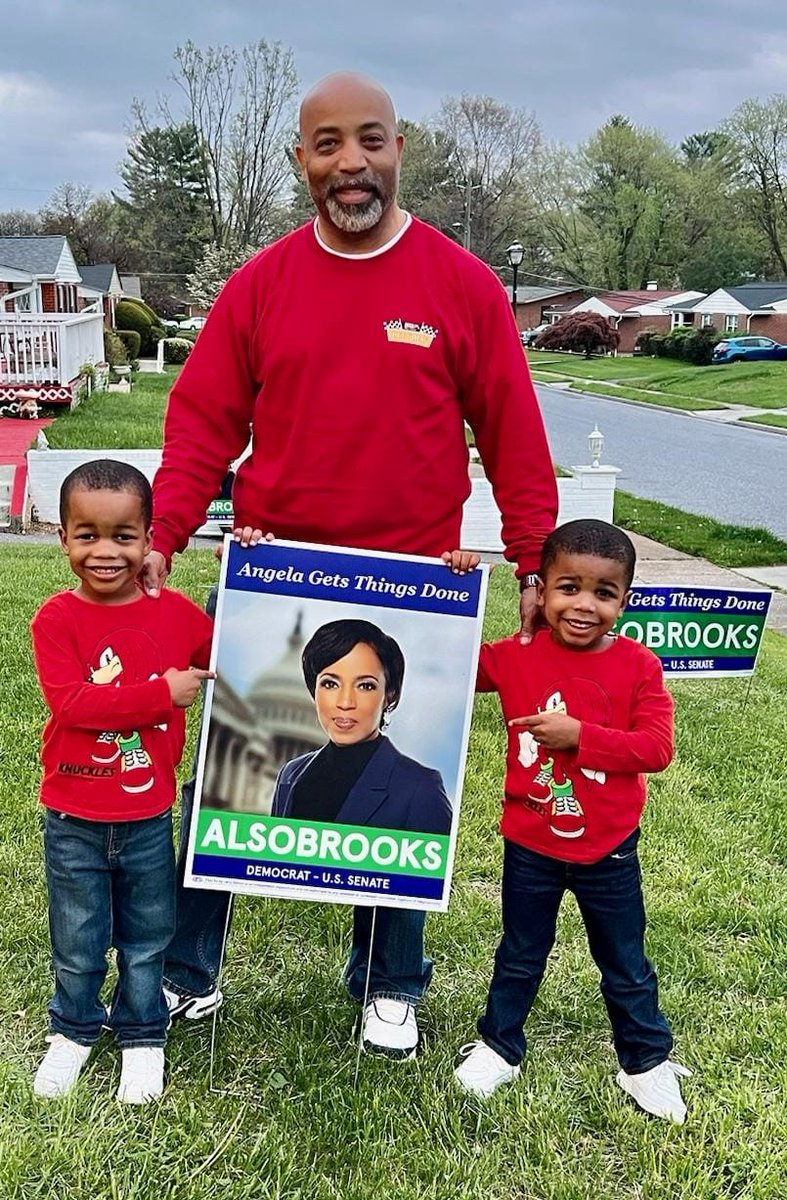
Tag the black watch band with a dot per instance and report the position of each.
(530, 580)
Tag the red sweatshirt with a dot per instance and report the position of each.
(355, 374)
(114, 738)
(579, 805)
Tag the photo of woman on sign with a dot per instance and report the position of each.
(354, 672)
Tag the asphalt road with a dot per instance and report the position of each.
(702, 466)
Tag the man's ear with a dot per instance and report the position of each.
(300, 154)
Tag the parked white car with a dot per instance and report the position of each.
(192, 323)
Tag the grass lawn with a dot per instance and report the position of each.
(726, 545)
(291, 1127)
(760, 384)
(114, 421)
(777, 419)
(626, 392)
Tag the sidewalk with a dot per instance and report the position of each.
(659, 564)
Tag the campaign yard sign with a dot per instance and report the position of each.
(698, 632)
(298, 796)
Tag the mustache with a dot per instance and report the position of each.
(366, 182)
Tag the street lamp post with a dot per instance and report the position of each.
(515, 253)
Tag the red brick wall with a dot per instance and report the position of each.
(5, 288)
(48, 302)
(631, 327)
(773, 327)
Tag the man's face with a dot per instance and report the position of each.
(350, 154)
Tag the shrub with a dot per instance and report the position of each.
(114, 349)
(152, 316)
(583, 332)
(644, 343)
(131, 340)
(176, 350)
(698, 349)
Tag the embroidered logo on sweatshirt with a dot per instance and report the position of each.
(410, 333)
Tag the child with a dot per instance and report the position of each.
(117, 669)
(587, 714)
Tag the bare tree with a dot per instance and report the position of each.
(241, 104)
(491, 149)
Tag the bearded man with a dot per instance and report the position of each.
(354, 350)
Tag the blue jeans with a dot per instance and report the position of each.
(609, 896)
(399, 968)
(110, 885)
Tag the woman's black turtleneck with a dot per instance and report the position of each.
(327, 781)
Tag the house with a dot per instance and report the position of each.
(44, 338)
(38, 274)
(132, 286)
(756, 308)
(632, 312)
(533, 303)
(101, 282)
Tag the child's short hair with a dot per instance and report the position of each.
(111, 475)
(589, 536)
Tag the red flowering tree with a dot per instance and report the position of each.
(583, 332)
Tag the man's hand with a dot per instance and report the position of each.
(552, 730)
(184, 685)
(154, 573)
(529, 615)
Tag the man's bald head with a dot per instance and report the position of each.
(349, 155)
(336, 90)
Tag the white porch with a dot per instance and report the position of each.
(46, 349)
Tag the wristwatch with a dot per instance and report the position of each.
(530, 580)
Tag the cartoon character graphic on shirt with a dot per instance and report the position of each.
(550, 784)
(136, 765)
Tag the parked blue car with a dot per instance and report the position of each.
(747, 349)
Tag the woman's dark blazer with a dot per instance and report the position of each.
(392, 792)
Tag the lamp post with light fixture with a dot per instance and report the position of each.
(515, 253)
(595, 445)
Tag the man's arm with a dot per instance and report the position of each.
(501, 407)
(207, 424)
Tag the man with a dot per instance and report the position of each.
(354, 349)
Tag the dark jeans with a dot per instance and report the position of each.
(110, 885)
(609, 895)
(398, 969)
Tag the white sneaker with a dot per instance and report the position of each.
(142, 1076)
(390, 1028)
(483, 1070)
(657, 1091)
(192, 1007)
(60, 1066)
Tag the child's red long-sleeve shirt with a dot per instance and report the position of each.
(114, 738)
(579, 805)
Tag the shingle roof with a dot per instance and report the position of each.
(528, 295)
(758, 295)
(622, 301)
(98, 276)
(38, 255)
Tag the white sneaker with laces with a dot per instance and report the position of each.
(192, 1007)
(657, 1091)
(390, 1028)
(142, 1075)
(60, 1066)
(483, 1070)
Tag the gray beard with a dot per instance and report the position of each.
(354, 218)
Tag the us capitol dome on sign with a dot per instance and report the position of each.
(252, 737)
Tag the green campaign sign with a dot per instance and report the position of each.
(705, 632)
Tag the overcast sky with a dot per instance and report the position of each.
(70, 68)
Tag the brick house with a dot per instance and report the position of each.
(45, 339)
(534, 303)
(101, 282)
(631, 312)
(752, 308)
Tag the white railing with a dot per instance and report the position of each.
(40, 348)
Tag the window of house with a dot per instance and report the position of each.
(731, 323)
(706, 321)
